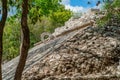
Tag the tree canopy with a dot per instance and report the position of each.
(43, 16)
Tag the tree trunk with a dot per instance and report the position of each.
(2, 24)
(25, 41)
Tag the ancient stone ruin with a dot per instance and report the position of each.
(78, 51)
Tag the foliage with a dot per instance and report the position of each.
(112, 9)
(58, 18)
(44, 16)
(11, 39)
(42, 7)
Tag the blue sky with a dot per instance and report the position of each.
(11, 12)
(80, 5)
(73, 5)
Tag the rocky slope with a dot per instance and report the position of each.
(78, 51)
(40, 50)
(93, 53)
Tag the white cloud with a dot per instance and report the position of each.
(65, 2)
(74, 8)
(78, 8)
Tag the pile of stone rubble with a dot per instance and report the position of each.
(72, 23)
(93, 53)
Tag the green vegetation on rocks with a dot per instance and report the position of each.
(112, 9)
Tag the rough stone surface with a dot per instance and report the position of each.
(93, 53)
